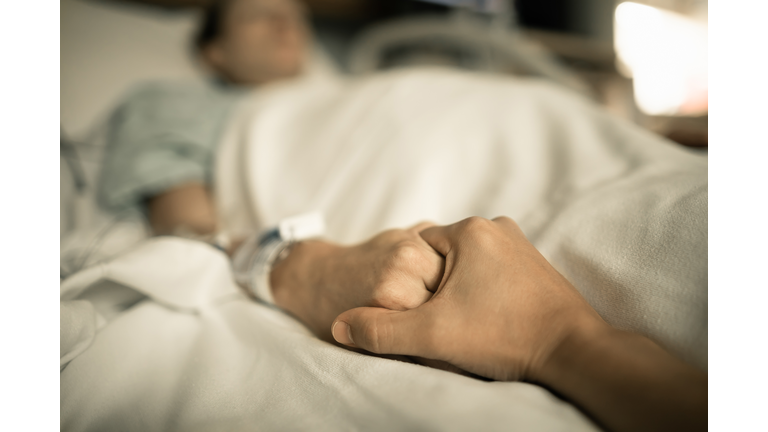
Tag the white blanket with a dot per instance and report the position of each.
(198, 356)
(618, 211)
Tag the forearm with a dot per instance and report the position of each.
(627, 382)
(189, 206)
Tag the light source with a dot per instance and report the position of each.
(665, 53)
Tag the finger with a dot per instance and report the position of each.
(421, 226)
(383, 331)
(433, 271)
(403, 295)
(435, 265)
(437, 237)
(508, 224)
(420, 296)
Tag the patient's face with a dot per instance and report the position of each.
(262, 40)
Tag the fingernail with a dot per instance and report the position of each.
(342, 332)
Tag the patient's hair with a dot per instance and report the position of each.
(211, 24)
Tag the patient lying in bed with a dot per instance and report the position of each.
(161, 157)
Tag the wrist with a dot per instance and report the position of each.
(292, 279)
(626, 381)
(580, 342)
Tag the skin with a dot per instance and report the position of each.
(499, 310)
(261, 41)
(396, 270)
(188, 205)
(264, 41)
(502, 311)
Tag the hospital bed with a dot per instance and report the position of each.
(155, 335)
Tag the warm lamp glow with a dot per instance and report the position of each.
(666, 55)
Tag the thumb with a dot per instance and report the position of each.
(383, 331)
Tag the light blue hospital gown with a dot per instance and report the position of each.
(164, 134)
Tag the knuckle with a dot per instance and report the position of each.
(480, 230)
(508, 223)
(505, 220)
(475, 223)
(404, 254)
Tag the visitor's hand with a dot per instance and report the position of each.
(396, 270)
(503, 312)
(500, 311)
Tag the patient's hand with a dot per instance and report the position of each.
(396, 270)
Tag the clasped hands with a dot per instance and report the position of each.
(475, 294)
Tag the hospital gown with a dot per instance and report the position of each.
(164, 134)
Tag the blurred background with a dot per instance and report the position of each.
(645, 61)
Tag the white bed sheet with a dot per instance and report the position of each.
(620, 212)
(200, 356)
